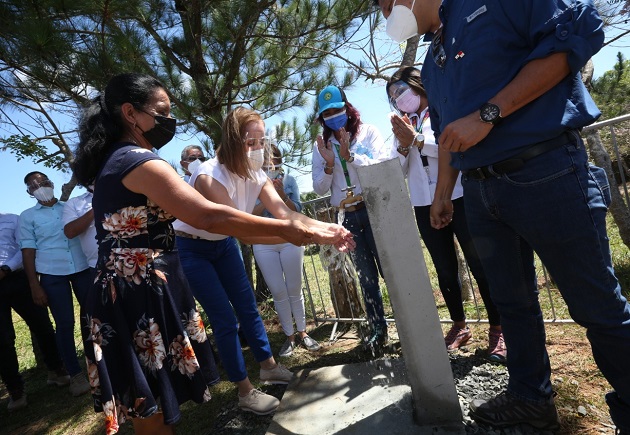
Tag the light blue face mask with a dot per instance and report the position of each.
(335, 122)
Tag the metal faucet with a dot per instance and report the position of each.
(350, 197)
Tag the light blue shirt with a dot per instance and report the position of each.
(41, 228)
(293, 192)
(74, 209)
(10, 254)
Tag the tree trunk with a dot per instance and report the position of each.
(261, 290)
(248, 256)
(618, 208)
(341, 276)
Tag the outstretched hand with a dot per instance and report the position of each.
(336, 235)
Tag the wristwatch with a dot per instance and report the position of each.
(351, 158)
(418, 140)
(490, 113)
(5, 268)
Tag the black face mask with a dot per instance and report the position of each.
(162, 133)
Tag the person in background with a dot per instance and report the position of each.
(192, 157)
(16, 294)
(145, 342)
(281, 264)
(61, 266)
(347, 144)
(507, 103)
(78, 220)
(213, 264)
(415, 146)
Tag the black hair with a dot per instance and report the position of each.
(376, 3)
(354, 119)
(101, 122)
(409, 75)
(30, 174)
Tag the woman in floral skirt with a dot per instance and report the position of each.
(145, 343)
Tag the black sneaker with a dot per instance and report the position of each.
(507, 410)
(618, 413)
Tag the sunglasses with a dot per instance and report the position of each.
(437, 48)
(193, 158)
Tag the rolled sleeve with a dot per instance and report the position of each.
(575, 29)
(27, 232)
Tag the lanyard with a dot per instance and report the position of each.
(344, 166)
(425, 159)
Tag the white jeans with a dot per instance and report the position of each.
(281, 266)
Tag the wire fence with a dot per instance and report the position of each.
(322, 291)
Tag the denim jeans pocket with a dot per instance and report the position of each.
(601, 180)
(546, 167)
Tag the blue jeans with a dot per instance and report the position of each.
(441, 246)
(368, 266)
(15, 293)
(556, 206)
(218, 280)
(59, 289)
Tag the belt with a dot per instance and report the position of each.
(186, 235)
(517, 162)
(357, 206)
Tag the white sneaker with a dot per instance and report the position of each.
(59, 378)
(79, 385)
(278, 375)
(258, 402)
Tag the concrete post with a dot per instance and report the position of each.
(397, 239)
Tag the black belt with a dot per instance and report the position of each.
(518, 161)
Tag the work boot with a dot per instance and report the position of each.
(506, 410)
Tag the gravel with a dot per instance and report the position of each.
(474, 377)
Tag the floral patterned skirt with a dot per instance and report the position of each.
(145, 342)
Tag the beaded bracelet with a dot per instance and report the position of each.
(403, 150)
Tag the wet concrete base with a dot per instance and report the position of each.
(366, 398)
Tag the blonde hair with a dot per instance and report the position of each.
(232, 151)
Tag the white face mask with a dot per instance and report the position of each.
(256, 158)
(44, 194)
(401, 23)
(192, 166)
(273, 174)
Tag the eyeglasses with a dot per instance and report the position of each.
(191, 159)
(437, 48)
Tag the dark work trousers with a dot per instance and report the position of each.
(15, 293)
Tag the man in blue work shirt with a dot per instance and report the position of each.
(62, 268)
(507, 101)
(16, 294)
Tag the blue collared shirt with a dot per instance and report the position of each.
(10, 254)
(41, 228)
(487, 42)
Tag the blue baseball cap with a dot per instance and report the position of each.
(330, 98)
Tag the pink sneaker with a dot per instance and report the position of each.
(497, 352)
(457, 337)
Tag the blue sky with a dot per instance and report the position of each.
(368, 97)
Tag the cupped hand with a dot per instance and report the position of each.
(325, 150)
(344, 143)
(403, 130)
(336, 235)
(441, 213)
(278, 184)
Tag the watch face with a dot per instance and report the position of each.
(490, 112)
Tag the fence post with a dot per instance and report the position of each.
(396, 235)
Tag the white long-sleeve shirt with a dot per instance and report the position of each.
(420, 179)
(368, 147)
